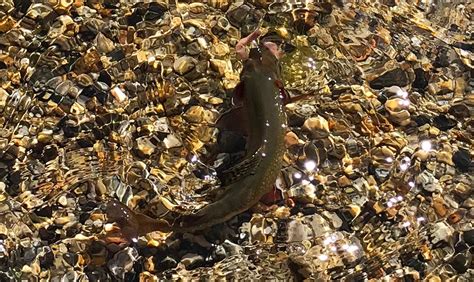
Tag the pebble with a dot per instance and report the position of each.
(396, 77)
(184, 64)
(469, 237)
(461, 262)
(219, 253)
(462, 159)
(167, 263)
(442, 232)
(191, 261)
(232, 249)
(444, 123)
(317, 126)
(122, 262)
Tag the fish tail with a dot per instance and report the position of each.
(235, 201)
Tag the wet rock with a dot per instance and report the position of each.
(184, 64)
(396, 77)
(192, 261)
(428, 181)
(220, 66)
(441, 232)
(445, 57)
(462, 159)
(70, 258)
(455, 217)
(296, 231)
(171, 141)
(198, 114)
(422, 120)
(469, 237)
(244, 17)
(291, 139)
(320, 225)
(122, 262)
(219, 253)
(232, 248)
(295, 119)
(439, 206)
(104, 45)
(167, 263)
(460, 111)
(317, 126)
(421, 79)
(309, 209)
(397, 109)
(461, 262)
(444, 123)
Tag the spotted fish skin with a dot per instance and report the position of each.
(263, 106)
(263, 109)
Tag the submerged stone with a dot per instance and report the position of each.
(396, 77)
(462, 159)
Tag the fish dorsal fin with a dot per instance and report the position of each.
(234, 119)
(242, 169)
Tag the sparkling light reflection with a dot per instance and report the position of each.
(405, 102)
(327, 241)
(323, 257)
(402, 93)
(352, 248)
(404, 166)
(310, 165)
(425, 145)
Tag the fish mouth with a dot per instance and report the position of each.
(283, 45)
(272, 36)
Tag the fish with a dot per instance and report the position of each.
(258, 114)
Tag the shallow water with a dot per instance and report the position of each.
(115, 100)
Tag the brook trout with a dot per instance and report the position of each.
(260, 111)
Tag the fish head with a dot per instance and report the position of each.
(273, 49)
(263, 60)
(262, 66)
(266, 49)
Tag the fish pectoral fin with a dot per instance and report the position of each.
(242, 169)
(285, 96)
(273, 196)
(234, 120)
